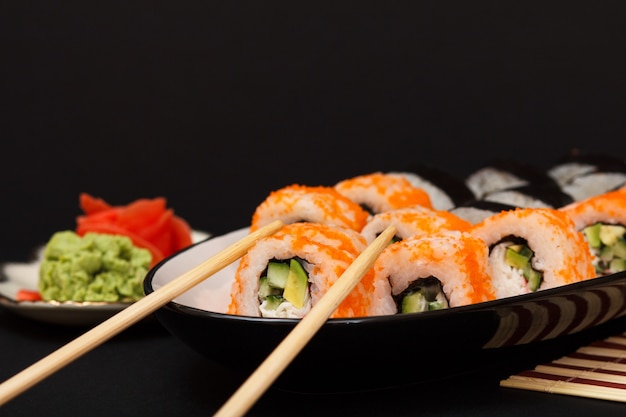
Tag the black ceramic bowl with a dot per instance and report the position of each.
(383, 351)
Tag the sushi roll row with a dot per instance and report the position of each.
(436, 260)
(575, 177)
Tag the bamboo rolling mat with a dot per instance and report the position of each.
(595, 371)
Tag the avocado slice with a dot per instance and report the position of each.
(609, 233)
(297, 285)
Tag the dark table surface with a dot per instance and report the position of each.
(214, 104)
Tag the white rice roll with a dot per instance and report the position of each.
(324, 264)
(456, 259)
(561, 254)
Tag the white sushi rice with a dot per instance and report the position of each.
(489, 179)
(507, 280)
(514, 198)
(592, 184)
(285, 310)
(566, 172)
(472, 214)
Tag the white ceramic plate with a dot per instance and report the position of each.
(24, 276)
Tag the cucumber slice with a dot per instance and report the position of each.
(273, 301)
(414, 302)
(437, 305)
(277, 273)
(526, 252)
(519, 256)
(618, 265)
(619, 249)
(606, 253)
(592, 233)
(264, 288)
(533, 278)
(515, 259)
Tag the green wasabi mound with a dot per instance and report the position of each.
(94, 267)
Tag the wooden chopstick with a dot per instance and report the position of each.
(261, 379)
(130, 315)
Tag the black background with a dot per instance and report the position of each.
(213, 104)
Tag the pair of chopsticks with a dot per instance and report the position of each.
(596, 371)
(269, 370)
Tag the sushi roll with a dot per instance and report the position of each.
(284, 275)
(583, 175)
(477, 210)
(531, 195)
(445, 190)
(602, 219)
(532, 249)
(315, 204)
(377, 192)
(436, 271)
(413, 221)
(504, 174)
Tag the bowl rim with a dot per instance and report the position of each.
(492, 305)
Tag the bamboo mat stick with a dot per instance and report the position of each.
(591, 374)
(565, 388)
(130, 315)
(261, 379)
(612, 366)
(621, 340)
(597, 351)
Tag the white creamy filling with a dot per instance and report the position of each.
(285, 310)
